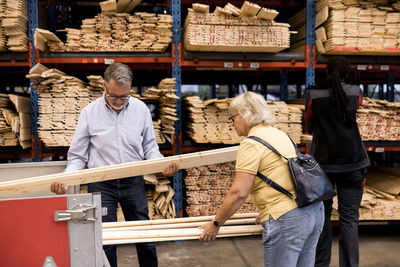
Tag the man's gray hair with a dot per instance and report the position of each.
(120, 73)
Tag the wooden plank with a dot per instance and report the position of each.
(121, 5)
(118, 171)
(321, 16)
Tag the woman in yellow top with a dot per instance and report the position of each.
(290, 233)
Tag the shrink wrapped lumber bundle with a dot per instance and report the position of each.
(356, 27)
(230, 29)
(14, 23)
(381, 195)
(379, 120)
(206, 188)
(15, 121)
(117, 32)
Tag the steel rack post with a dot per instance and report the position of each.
(33, 24)
(310, 43)
(283, 92)
(176, 73)
(391, 87)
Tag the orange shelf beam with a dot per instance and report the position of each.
(14, 64)
(103, 60)
(253, 65)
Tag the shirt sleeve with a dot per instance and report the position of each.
(78, 153)
(248, 158)
(150, 147)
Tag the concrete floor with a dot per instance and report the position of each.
(379, 247)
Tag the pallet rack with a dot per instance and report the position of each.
(181, 63)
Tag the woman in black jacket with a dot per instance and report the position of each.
(331, 116)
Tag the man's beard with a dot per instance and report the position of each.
(119, 107)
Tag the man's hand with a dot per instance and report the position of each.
(171, 170)
(209, 232)
(58, 188)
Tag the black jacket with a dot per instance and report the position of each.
(336, 146)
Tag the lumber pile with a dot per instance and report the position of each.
(159, 193)
(209, 121)
(379, 120)
(114, 32)
(61, 99)
(353, 27)
(14, 25)
(230, 29)
(288, 119)
(175, 229)
(381, 198)
(123, 170)
(206, 188)
(15, 121)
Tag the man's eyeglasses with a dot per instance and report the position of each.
(113, 98)
(232, 118)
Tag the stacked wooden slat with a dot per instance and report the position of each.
(116, 32)
(61, 99)
(14, 22)
(357, 27)
(3, 39)
(96, 87)
(206, 188)
(381, 198)
(15, 121)
(288, 119)
(233, 30)
(159, 195)
(209, 122)
(175, 229)
(379, 120)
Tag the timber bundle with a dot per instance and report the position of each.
(62, 98)
(113, 32)
(379, 120)
(381, 198)
(15, 121)
(209, 121)
(14, 25)
(240, 224)
(230, 29)
(207, 186)
(351, 26)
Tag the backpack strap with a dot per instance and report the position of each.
(266, 179)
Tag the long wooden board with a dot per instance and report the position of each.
(124, 170)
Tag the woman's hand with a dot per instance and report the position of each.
(58, 188)
(258, 219)
(171, 170)
(209, 232)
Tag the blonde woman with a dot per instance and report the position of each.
(290, 233)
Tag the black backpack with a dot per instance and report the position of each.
(310, 182)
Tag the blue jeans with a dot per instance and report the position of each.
(291, 240)
(130, 193)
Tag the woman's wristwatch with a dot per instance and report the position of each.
(216, 223)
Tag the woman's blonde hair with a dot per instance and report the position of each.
(253, 109)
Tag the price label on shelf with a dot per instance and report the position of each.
(361, 67)
(254, 65)
(228, 64)
(108, 61)
(380, 149)
(384, 67)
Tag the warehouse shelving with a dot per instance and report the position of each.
(180, 63)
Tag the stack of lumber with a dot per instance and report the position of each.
(381, 198)
(61, 99)
(159, 195)
(14, 25)
(15, 121)
(160, 139)
(209, 121)
(207, 186)
(3, 39)
(230, 29)
(288, 119)
(353, 27)
(379, 120)
(96, 87)
(166, 98)
(116, 32)
(176, 229)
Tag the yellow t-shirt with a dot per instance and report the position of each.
(254, 156)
